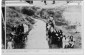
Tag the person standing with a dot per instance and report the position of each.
(29, 1)
(10, 44)
(71, 42)
(53, 2)
(45, 2)
(26, 28)
(64, 41)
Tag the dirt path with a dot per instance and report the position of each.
(37, 36)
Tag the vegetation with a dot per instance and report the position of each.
(26, 15)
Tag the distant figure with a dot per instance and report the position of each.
(29, 1)
(51, 21)
(51, 37)
(64, 41)
(53, 2)
(14, 28)
(68, 1)
(20, 29)
(10, 44)
(59, 38)
(45, 2)
(67, 42)
(71, 42)
(48, 27)
(25, 28)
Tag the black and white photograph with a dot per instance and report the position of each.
(44, 25)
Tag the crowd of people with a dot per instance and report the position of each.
(56, 37)
(17, 37)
